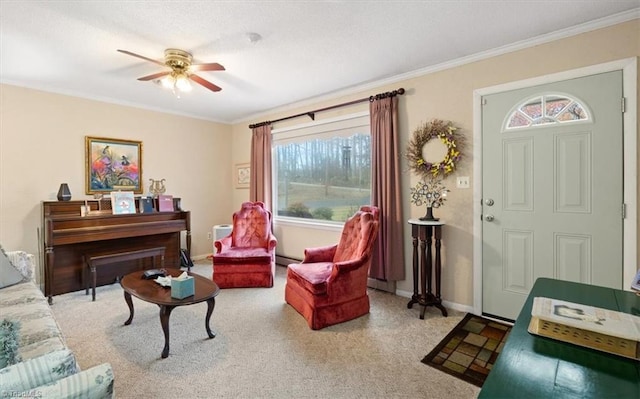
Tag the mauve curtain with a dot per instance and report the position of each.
(260, 183)
(388, 256)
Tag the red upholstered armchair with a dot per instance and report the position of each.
(246, 257)
(330, 285)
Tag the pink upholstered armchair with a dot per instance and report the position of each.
(330, 285)
(246, 257)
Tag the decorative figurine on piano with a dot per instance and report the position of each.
(157, 187)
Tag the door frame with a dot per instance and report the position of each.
(629, 67)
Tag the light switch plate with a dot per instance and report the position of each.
(462, 182)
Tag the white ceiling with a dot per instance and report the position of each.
(308, 48)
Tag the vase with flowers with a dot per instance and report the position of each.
(431, 193)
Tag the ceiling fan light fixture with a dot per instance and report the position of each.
(182, 71)
(168, 82)
(182, 83)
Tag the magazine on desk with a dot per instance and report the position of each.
(596, 328)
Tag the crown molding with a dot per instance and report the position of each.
(509, 48)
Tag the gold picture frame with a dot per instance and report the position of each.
(242, 175)
(112, 165)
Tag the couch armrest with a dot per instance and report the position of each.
(24, 262)
(320, 254)
(273, 243)
(222, 244)
(347, 266)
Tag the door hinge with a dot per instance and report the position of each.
(624, 211)
(624, 105)
(483, 101)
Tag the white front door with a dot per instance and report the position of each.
(552, 192)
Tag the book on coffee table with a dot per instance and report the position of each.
(601, 329)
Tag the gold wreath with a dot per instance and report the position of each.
(445, 132)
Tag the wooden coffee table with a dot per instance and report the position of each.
(152, 292)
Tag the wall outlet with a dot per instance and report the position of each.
(462, 182)
(209, 235)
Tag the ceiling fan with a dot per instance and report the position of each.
(181, 70)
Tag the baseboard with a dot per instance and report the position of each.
(449, 305)
(200, 257)
(283, 260)
(387, 286)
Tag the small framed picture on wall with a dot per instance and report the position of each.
(242, 174)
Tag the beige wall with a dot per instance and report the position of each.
(448, 95)
(42, 145)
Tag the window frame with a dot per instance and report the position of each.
(286, 131)
(543, 96)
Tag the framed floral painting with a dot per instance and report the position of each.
(112, 165)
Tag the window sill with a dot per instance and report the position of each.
(308, 223)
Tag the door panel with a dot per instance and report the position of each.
(573, 173)
(518, 167)
(556, 190)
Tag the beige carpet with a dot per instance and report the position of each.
(263, 348)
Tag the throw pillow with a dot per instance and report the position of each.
(95, 383)
(24, 262)
(9, 343)
(38, 371)
(9, 275)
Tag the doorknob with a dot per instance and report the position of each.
(489, 202)
(489, 218)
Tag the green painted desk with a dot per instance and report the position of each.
(530, 366)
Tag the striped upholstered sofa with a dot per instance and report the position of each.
(34, 359)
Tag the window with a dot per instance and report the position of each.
(546, 110)
(322, 170)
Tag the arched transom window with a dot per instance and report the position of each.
(545, 110)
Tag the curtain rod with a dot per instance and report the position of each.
(312, 114)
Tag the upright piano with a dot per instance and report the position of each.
(67, 236)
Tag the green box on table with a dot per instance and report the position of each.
(181, 289)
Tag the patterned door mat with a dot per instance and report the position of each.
(470, 349)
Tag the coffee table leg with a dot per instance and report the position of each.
(165, 313)
(211, 303)
(127, 299)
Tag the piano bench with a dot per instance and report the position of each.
(102, 258)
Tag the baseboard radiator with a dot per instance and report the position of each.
(283, 260)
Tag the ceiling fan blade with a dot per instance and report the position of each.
(204, 83)
(154, 76)
(214, 66)
(141, 57)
